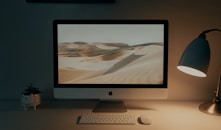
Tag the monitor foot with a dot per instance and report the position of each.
(110, 106)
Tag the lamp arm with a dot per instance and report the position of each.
(203, 34)
(210, 30)
(217, 98)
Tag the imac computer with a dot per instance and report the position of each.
(110, 60)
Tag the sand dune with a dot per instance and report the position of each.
(67, 74)
(123, 63)
(110, 46)
(142, 64)
(84, 49)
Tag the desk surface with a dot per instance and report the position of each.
(63, 115)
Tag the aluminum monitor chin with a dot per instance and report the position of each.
(110, 59)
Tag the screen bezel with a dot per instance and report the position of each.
(165, 66)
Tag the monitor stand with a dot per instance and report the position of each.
(110, 106)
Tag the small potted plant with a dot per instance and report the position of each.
(31, 97)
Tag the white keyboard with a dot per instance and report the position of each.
(108, 118)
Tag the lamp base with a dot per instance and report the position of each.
(211, 108)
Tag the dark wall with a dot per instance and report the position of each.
(27, 40)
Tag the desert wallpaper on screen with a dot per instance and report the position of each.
(114, 63)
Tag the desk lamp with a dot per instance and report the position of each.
(195, 61)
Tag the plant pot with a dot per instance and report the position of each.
(32, 100)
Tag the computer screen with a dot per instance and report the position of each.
(110, 59)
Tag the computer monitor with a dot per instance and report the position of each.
(110, 59)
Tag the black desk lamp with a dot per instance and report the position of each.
(195, 61)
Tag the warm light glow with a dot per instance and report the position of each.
(212, 108)
(191, 71)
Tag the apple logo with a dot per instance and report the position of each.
(110, 93)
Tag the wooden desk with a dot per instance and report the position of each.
(63, 115)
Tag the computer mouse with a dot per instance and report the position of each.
(145, 120)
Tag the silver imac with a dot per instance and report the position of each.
(110, 60)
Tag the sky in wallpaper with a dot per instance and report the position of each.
(116, 33)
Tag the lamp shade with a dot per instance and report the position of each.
(196, 57)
